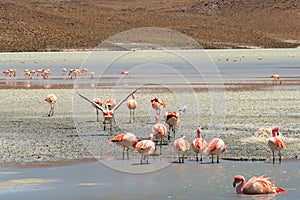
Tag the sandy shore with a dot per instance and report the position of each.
(29, 135)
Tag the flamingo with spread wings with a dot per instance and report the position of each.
(108, 113)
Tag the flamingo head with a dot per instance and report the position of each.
(275, 130)
(237, 179)
(133, 96)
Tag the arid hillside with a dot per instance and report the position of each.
(43, 25)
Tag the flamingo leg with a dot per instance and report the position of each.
(273, 157)
(201, 157)
(133, 118)
(212, 158)
(147, 160)
(279, 153)
(160, 146)
(196, 157)
(123, 153)
(97, 112)
(217, 158)
(169, 137)
(141, 160)
(127, 153)
(182, 158)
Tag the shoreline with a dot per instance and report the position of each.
(29, 136)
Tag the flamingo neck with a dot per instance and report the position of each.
(199, 133)
(274, 133)
(239, 188)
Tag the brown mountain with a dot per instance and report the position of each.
(43, 25)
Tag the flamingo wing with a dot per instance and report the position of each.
(279, 142)
(117, 138)
(124, 99)
(96, 105)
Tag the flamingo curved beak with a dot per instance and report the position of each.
(234, 183)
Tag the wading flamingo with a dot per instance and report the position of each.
(108, 114)
(276, 143)
(172, 119)
(125, 74)
(157, 104)
(98, 102)
(131, 104)
(159, 131)
(51, 99)
(145, 148)
(181, 146)
(126, 140)
(199, 144)
(256, 185)
(215, 147)
(276, 78)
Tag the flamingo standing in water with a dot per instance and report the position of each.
(98, 102)
(276, 143)
(172, 119)
(131, 104)
(256, 185)
(125, 74)
(276, 78)
(159, 131)
(51, 99)
(145, 148)
(126, 140)
(215, 147)
(181, 146)
(199, 144)
(108, 111)
(157, 104)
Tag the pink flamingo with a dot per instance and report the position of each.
(199, 144)
(256, 185)
(159, 131)
(108, 113)
(215, 147)
(98, 102)
(131, 104)
(110, 103)
(276, 143)
(145, 148)
(126, 140)
(157, 104)
(181, 146)
(276, 78)
(125, 74)
(51, 99)
(172, 119)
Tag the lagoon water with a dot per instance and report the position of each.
(176, 181)
(190, 180)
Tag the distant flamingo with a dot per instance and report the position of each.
(215, 147)
(276, 143)
(98, 102)
(276, 78)
(126, 140)
(181, 146)
(92, 74)
(51, 99)
(27, 74)
(125, 74)
(145, 148)
(6, 72)
(108, 113)
(172, 119)
(256, 185)
(159, 131)
(131, 104)
(158, 104)
(199, 144)
(64, 71)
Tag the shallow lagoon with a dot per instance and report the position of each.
(190, 180)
